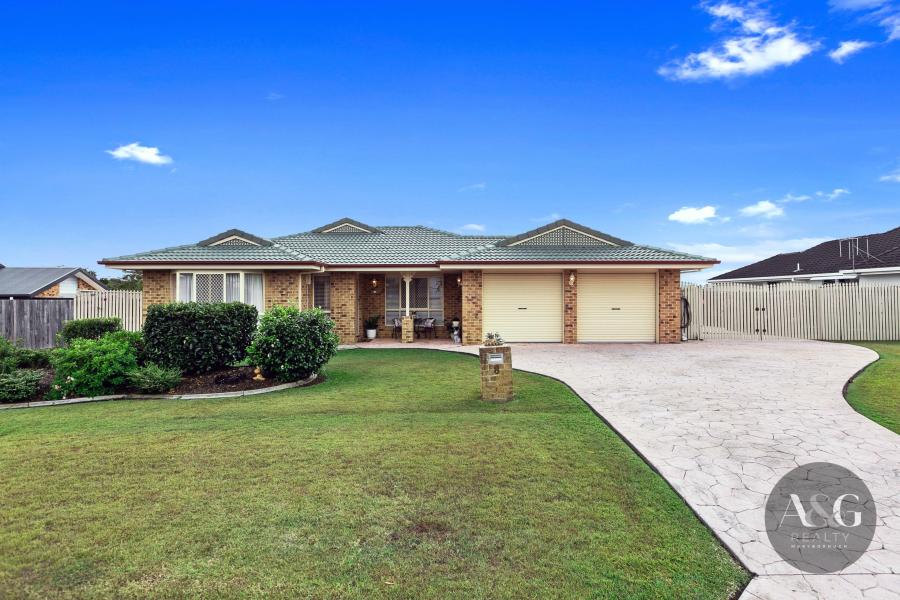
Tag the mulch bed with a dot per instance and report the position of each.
(237, 379)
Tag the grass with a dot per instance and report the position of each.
(875, 393)
(391, 479)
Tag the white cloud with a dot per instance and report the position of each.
(756, 45)
(833, 194)
(893, 177)
(748, 253)
(546, 218)
(274, 96)
(143, 154)
(847, 49)
(473, 227)
(474, 187)
(763, 208)
(788, 198)
(690, 215)
(884, 12)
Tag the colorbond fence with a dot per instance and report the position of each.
(120, 303)
(34, 322)
(793, 310)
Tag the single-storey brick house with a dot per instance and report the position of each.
(562, 282)
(46, 282)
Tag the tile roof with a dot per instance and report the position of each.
(399, 245)
(828, 257)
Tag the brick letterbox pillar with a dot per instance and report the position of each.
(496, 373)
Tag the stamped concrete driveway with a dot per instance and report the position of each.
(723, 421)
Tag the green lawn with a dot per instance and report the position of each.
(391, 479)
(875, 393)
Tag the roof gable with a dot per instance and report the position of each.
(235, 237)
(563, 232)
(28, 281)
(346, 225)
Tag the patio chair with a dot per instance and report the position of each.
(428, 327)
(397, 332)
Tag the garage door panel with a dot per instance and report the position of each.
(617, 307)
(523, 307)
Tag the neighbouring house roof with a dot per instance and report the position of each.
(347, 243)
(24, 282)
(875, 251)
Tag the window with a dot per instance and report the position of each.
(322, 292)
(221, 287)
(426, 298)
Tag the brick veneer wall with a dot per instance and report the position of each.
(371, 302)
(452, 297)
(159, 288)
(570, 308)
(50, 292)
(85, 286)
(471, 307)
(282, 288)
(344, 305)
(306, 292)
(669, 306)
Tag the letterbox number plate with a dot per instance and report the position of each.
(495, 358)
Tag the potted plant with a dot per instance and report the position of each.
(492, 338)
(371, 324)
(454, 322)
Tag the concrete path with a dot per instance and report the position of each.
(723, 421)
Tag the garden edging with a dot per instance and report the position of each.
(238, 394)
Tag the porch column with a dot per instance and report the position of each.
(408, 332)
(471, 307)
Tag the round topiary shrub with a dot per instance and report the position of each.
(292, 344)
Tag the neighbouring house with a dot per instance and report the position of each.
(45, 282)
(563, 282)
(864, 260)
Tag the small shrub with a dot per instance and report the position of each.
(198, 338)
(291, 344)
(492, 338)
(89, 329)
(153, 379)
(19, 385)
(135, 339)
(14, 357)
(92, 367)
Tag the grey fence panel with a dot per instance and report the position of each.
(34, 322)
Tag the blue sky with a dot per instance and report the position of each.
(734, 129)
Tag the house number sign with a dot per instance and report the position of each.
(495, 358)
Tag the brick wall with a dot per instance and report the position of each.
(570, 308)
(159, 288)
(343, 306)
(471, 307)
(452, 297)
(50, 292)
(669, 306)
(371, 302)
(282, 288)
(85, 286)
(306, 292)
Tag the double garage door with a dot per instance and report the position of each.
(611, 307)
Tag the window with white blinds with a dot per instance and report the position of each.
(221, 287)
(426, 298)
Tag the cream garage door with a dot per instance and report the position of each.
(523, 308)
(616, 307)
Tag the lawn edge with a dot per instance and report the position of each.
(853, 377)
(238, 394)
(737, 559)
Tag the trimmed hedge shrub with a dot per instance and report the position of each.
(89, 329)
(19, 385)
(135, 339)
(92, 367)
(291, 344)
(198, 338)
(153, 379)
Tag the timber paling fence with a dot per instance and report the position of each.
(34, 322)
(126, 305)
(793, 310)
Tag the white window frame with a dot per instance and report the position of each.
(426, 310)
(224, 275)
